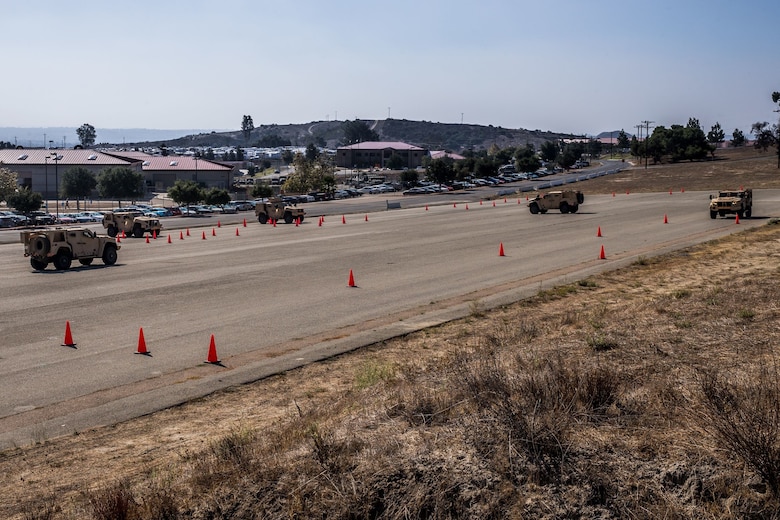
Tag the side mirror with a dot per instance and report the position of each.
(710, 197)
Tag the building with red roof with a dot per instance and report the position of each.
(375, 154)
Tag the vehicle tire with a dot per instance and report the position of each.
(288, 218)
(573, 209)
(713, 214)
(109, 255)
(534, 207)
(740, 214)
(262, 218)
(62, 261)
(564, 207)
(112, 231)
(41, 245)
(748, 212)
(38, 265)
(580, 197)
(138, 232)
(85, 261)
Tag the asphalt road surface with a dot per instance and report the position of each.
(278, 297)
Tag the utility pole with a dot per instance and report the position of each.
(647, 134)
(639, 132)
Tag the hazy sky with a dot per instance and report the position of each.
(563, 65)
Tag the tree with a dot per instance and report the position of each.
(358, 132)
(216, 196)
(395, 162)
(595, 147)
(77, 183)
(549, 151)
(526, 159)
(310, 175)
(409, 177)
(622, 141)
(118, 183)
(262, 191)
(715, 136)
(247, 125)
(311, 152)
(8, 183)
(25, 201)
(737, 138)
(441, 170)
(764, 135)
(87, 135)
(186, 192)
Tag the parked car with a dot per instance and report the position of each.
(7, 222)
(228, 208)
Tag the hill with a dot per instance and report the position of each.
(329, 134)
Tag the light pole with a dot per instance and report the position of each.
(56, 158)
(46, 177)
(196, 168)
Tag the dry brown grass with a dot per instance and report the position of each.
(647, 392)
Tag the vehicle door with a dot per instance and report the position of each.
(83, 242)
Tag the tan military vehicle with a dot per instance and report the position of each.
(738, 202)
(276, 209)
(61, 246)
(133, 225)
(567, 201)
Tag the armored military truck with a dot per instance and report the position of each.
(738, 202)
(276, 209)
(567, 201)
(131, 223)
(61, 246)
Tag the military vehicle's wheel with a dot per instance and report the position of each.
(85, 261)
(740, 214)
(748, 212)
(109, 255)
(111, 231)
(288, 218)
(713, 214)
(580, 197)
(138, 232)
(573, 209)
(62, 261)
(564, 207)
(41, 245)
(262, 218)
(534, 207)
(38, 265)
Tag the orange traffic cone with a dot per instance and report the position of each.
(736, 221)
(343, 219)
(181, 235)
(526, 198)
(467, 207)
(154, 234)
(237, 232)
(68, 341)
(494, 204)
(203, 235)
(118, 240)
(613, 193)
(670, 191)
(147, 239)
(320, 222)
(504, 200)
(501, 249)
(213, 232)
(188, 231)
(602, 256)
(682, 190)
(123, 234)
(274, 221)
(480, 202)
(366, 217)
(141, 343)
(169, 239)
(598, 232)
(212, 357)
(666, 220)
(454, 204)
(351, 282)
(627, 192)
(426, 207)
(244, 222)
(219, 224)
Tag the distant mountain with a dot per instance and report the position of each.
(328, 134)
(66, 137)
